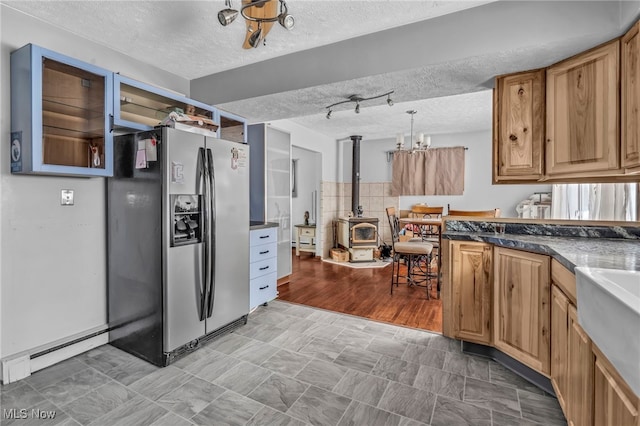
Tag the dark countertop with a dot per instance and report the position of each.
(608, 253)
(256, 224)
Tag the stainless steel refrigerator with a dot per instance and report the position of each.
(178, 241)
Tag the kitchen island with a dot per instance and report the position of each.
(512, 296)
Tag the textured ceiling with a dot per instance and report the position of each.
(450, 95)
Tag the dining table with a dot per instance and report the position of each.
(428, 222)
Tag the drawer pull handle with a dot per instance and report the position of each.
(264, 267)
(264, 236)
(262, 288)
(264, 252)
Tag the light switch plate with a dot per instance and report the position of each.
(66, 197)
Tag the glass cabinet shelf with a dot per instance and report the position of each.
(232, 127)
(59, 115)
(139, 106)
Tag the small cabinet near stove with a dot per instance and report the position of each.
(263, 265)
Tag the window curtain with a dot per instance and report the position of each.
(435, 171)
(597, 201)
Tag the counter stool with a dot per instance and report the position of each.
(415, 251)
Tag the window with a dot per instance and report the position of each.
(595, 201)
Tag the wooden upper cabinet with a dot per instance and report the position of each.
(521, 307)
(519, 111)
(582, 123)
(630, 93)
(472, 279)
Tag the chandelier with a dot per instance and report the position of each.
(421, 142)
(357, 99)
(260, 15)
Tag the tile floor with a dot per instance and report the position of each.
(290, 365)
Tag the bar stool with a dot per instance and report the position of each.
(414, 251)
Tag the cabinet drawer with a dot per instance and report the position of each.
(307, 232)
(262, 289)
(263, 236)
(263, 267)
(263, 251)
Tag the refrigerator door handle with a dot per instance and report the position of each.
(204, 283)
(212, 256)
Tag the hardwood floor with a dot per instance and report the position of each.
(361, 292)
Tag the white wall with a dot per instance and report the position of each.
(479, 193)
(52, 258)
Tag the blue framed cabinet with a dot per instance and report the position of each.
(141, 106)
(60, 111)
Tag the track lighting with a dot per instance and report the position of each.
(256, 37)
(357, 99)
(257, 12)
(228, 15)
(284, 18)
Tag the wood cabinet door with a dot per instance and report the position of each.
(518, 135)
(559, 344)
(471, 280)
(521, 307)
(579, 373)
(582, 113)
(630, 93)
(614, 403)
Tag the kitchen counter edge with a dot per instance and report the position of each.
(253, 225)
(571, 252)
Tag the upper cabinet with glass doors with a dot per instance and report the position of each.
(141, 106)
(59, 115)
(232, 127)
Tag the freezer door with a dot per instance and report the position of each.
(230, 291)
(184, 284)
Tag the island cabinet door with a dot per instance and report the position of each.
(521, 307)
(472, 278)
(614, 402)
(559, 345)
(579, 373)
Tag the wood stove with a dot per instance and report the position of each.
(358, 235)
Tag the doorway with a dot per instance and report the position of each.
(306, 176)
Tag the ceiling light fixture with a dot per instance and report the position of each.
(420, 142)
(357, 99)
(259, 15)
(228, 15)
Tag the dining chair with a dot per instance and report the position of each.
(477, 213)
(414, 251)
(429, 233)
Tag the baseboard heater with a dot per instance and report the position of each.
(69, 343)
(21, 365)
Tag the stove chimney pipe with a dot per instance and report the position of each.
(355, 175)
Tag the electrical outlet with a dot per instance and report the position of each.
(66, 197)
